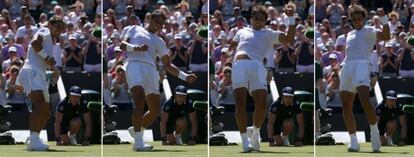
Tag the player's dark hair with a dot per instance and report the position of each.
(357, 9)
(259, 10)
(156, 14)
(54, 20)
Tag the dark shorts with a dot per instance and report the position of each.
(64, 126)
(171, 124)
(382, 125)
(278, 125)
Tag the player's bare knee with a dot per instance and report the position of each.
(181, 123)
(287, 126)
(75, 123)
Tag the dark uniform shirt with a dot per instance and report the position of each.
(283, 111)
(70, 111)
(386, 113)
(174, 110)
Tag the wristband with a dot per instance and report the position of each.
(130, 47)
(42, 54)
(182, 75)
(291, 20)
(384, 20)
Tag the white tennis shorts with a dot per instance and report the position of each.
(354, 74)
(250, 74)
(142, 74)
(33, 79)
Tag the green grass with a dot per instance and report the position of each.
(159, 150)
(340, 150)
(265, 150)
(55, 151)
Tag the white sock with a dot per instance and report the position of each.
(244, 138)
(374, 127)
(256, 130)
(34, 134)
(138, 135)
(354, 140)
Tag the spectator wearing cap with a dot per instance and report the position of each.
(280, 119)
(12, 58)
(224, 57)
(72, 57)
(391, 118)
(219, 44)
(10, 43)
(14, 92)
(331, 50)
(406, 59)
(178, 53)
(173, 118)
(303, 51)
(119, 57)
(285, 58)
(389, 62)
(333, 65)
(113, 42)
(119, 89)
(68, 121)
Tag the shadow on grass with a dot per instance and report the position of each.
(165, 150)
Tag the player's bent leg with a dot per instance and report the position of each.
(40, 114)
(288, 126)
(363, 93)
(391, 128)
(259, 98)
(75, 125)
(154, 103)
(180, 126)
(349, 119)
(240, 94)
(138, 97)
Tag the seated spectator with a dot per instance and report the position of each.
(13, 58)
(178, 53)
(225, 89)
(72, 56)
(333, 99)
(14, 93)
(406, 60)
(118, 58)
(119, 90)
(331, 50)
(388, 62)
(333, 63)
(21, 53)
(285, 58)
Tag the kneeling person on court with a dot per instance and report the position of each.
(174, 118)
(280, 122)
(389, 117)
(68, 121)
